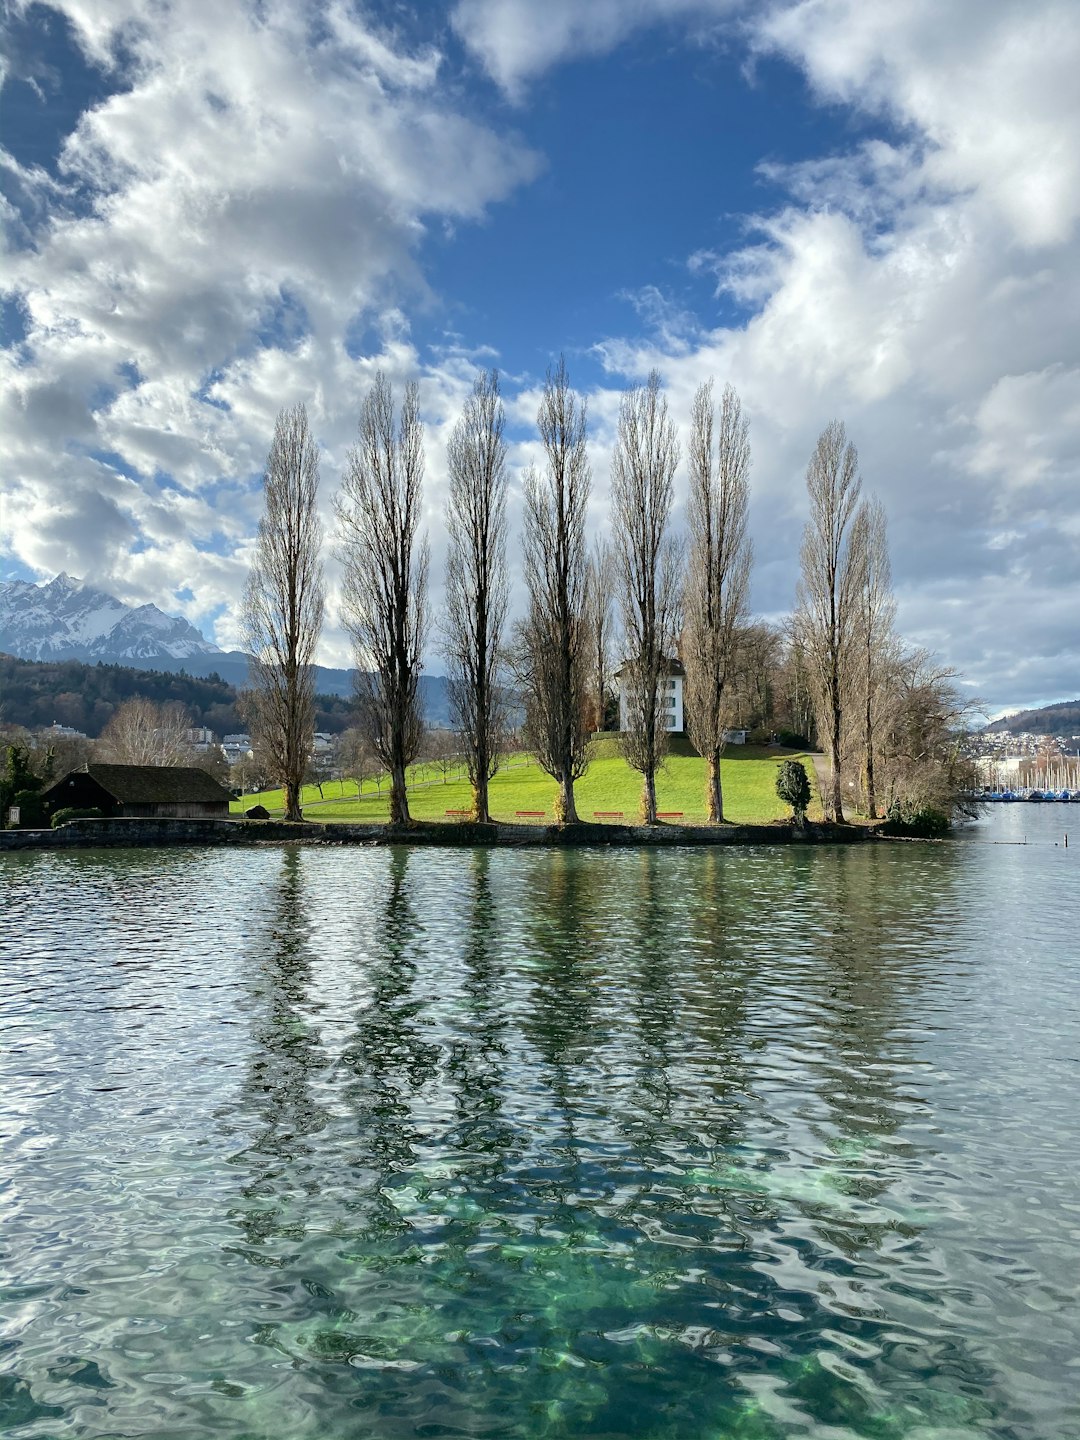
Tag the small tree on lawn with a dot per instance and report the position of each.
(793, 787)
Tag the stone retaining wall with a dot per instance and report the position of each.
(121, 833)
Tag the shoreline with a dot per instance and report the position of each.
(135, 833)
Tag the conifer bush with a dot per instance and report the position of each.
(793, 788)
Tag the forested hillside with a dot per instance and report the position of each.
(1062, 719)
(36, 694)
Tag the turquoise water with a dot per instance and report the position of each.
(372, 1143)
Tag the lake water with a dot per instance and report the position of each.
(379, 1143)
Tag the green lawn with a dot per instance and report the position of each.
(748, 774)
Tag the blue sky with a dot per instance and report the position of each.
(847, 208)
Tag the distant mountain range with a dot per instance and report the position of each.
(66, 619)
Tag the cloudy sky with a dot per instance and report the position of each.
(850, 209)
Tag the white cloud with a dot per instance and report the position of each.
(260, 179)
(259, 184)
(923, 291)
(517, 40)
(988, 86)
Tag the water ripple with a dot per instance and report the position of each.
(658, 1144)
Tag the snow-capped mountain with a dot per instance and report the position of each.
(67, 620)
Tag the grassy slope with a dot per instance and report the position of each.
(748, 774)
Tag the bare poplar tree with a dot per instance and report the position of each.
(384, 579)
(553, 657)
(476, 583)
(647, 569)
(283, 608)
(142, 733)
(828, 592)
(717, 592)
(876, 612)
(601, 584)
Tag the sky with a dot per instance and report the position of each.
(848, 209)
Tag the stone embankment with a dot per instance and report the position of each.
(117, 834)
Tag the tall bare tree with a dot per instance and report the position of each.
(140, 732)
(283, 607)
(875, 643)
(601, 585)
(833, 563)
(384, 579)
(717, 593)
(476, 583)
(553, 658)
(647, 568)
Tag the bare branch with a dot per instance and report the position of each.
(552, 658)
(142, 733)
(647, 563)
(384, 582)
(833, 563)
(283, 607)
(477, 591)
(600, 582)
(717, 593)
(875, 642)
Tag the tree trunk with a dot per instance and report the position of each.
(871, 792)
(835, 787)
(399, 799)
(648, 798)
(292, 801)
(565, 809)
(481, 812)
(714, 793)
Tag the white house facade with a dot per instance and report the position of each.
(671, 696)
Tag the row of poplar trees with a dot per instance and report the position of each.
(672, 595)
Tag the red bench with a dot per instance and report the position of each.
(607, 814)
(459, 813)
(669, 814)
(530, 814)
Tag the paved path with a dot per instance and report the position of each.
(823, 775)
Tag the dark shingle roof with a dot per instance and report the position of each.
(153, 784)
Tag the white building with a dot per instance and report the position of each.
(237, 747)
(671, 691)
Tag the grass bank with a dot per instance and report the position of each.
(748, 774)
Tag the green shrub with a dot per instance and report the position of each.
(790, 740)
(922, 822)
(31, 811)
(793, 788)
(75, 812)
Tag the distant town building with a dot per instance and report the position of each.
(56, 731)
(237, 747)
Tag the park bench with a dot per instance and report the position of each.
(459, 814)
(530, 814)
(669, 814)
(607, 814)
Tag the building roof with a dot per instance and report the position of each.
(150, 784)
